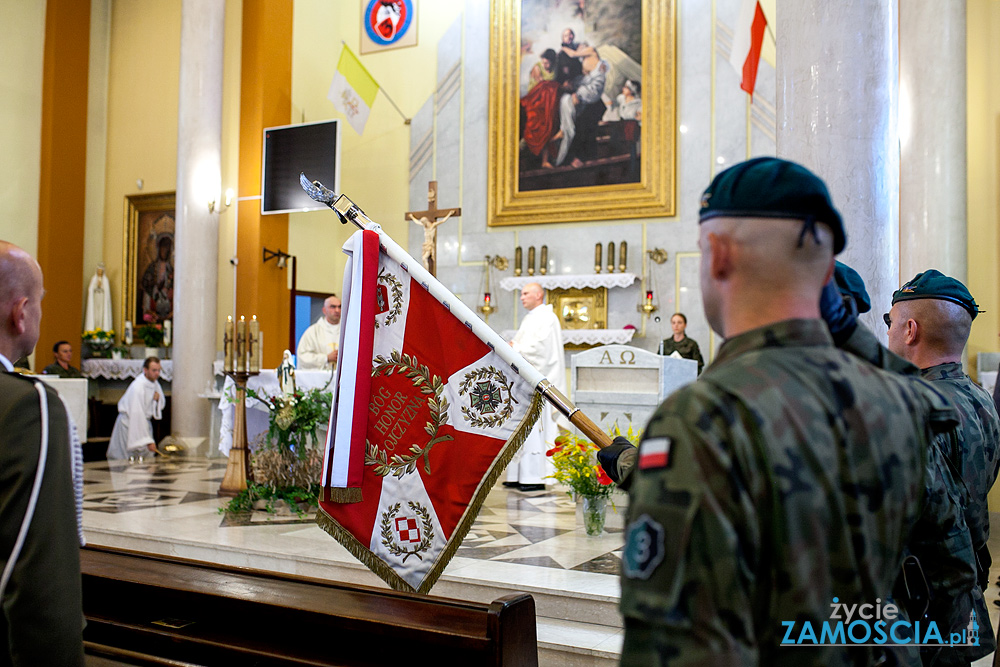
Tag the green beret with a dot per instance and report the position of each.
(768, 187)
(850, 284)
(932, 284)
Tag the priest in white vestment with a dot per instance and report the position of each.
(143, 401)
(539, 341)
(98, 315)
(317, 349)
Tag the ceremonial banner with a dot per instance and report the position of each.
(353, 90)
(425, 418)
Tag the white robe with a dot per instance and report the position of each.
(317, 341)
(98, 305)
(539, 341)
(133, 428)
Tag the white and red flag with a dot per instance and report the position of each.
(748, 36)
(425, 417)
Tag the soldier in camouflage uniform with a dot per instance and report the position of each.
(686, 347)
(791, 475)
(929, 326)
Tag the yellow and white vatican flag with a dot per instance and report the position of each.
(353, 90)
(427, 412)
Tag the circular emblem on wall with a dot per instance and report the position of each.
(387, 21)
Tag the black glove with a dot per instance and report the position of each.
(838, 311)
(614, 463)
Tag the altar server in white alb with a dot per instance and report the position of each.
(317, 348)
(539, 341)
(143, 401)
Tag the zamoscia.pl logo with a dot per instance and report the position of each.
(874, 625)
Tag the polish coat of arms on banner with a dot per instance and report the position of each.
(442, 417)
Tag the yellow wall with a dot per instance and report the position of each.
(375, 166)
(22, 39)
(143, 72)
(983, 169)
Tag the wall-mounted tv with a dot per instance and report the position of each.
(312, 148)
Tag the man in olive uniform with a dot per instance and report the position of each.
(790, 476)
(41, 617)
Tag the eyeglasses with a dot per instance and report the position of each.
(887, 319)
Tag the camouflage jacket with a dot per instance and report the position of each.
(975, 452)
(789, 477)
(687, 348)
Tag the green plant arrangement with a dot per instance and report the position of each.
(150, 334)
(286, 461)
(99, 340)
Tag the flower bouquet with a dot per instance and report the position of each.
(99, 341)
(150, 334)
(576, 466)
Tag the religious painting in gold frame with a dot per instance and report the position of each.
(580, 308)
(614, 167)
(148, 258)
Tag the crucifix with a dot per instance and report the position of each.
(429, 221)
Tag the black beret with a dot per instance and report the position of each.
(850, 284)
(932, 284)
(768, 187)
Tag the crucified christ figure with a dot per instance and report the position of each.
(429, 247)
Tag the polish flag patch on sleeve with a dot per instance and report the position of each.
(654, 453)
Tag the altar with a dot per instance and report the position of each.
(266, 383)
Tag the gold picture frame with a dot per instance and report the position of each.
(517, 195)
(149, 229)
(580, 308)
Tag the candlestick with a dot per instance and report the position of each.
(543, 262)
(598, 250)
(167, 330)
(241, 344)
(622, 256)
(611, 256)
(229, 344)
(531, 260)
(253, 346)
(517, 261)
(127, 336)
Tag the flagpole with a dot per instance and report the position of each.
(348, 211)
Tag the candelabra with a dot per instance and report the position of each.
(243, 343)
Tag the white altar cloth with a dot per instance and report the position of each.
(257, 413)
(122, 369)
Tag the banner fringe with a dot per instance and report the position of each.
(362, 553)
(346, 495)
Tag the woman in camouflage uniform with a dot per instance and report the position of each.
(680, 343)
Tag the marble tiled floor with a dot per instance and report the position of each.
(532, 542)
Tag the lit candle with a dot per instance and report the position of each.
(486, 299)
(241, 344)
(229, 344)
(128, 332)
(167, 330)
(253, 346)
(649, 297)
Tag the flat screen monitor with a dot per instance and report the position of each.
(289, 150)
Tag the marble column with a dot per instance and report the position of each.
(837, 100)
(932, 138)
(199, 166)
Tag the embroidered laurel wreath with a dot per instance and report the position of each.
(488, 408)
(397, 295)
(390, 543)
(432, 386)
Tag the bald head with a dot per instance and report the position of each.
(331, 309)
(756, 271)
(928, 332)
(532, 296)
(20, 301)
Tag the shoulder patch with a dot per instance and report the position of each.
(644, 549)
(654, 453)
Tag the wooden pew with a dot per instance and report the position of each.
(148, 609)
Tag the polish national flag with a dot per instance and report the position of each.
(748, 35)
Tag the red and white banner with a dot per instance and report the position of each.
(425, 417)
(748, 36)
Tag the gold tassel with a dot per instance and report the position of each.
(346, 495)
